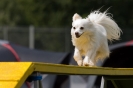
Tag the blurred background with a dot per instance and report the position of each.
(39, 31)
(46, 24)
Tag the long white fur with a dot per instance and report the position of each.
(112, 29)
(93, 43)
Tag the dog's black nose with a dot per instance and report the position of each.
(77, 34)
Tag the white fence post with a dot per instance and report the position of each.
(5, 33)
(31, 37)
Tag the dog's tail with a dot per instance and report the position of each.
(105, 19)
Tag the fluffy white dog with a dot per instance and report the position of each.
(90, 37)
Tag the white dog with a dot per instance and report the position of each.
(90, 37)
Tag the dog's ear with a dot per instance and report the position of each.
(76, 16)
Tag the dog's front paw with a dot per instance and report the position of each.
(88, 63)
(80, 62)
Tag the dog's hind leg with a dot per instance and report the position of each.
(88, 60)
(78, 57)
(102, 53)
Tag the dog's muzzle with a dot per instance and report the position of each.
(77, 34)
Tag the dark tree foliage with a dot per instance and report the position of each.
(58, 13)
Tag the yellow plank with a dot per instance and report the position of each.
(80, 70)
(8, 84)
(27, 73)
(14, 71)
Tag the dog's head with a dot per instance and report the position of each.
(80, 26)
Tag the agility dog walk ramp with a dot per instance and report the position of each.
(14, 74)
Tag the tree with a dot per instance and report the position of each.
(58, 13)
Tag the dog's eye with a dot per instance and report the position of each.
(74, 28)
(81, 28)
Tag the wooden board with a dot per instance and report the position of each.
(14, 74)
